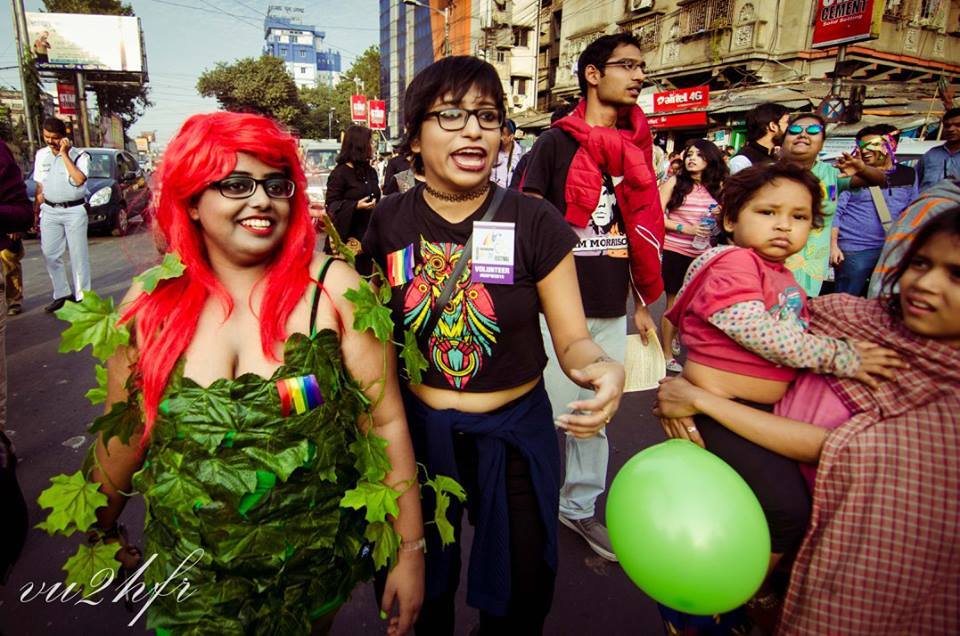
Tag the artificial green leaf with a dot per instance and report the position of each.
(368, 313)
(379, 500)
(171, 267)
(385, 541)
(98, 394)
(122, 421)
(73, 502)
(444, 527)
(413, 360)
(88, 568)
(281, 462)
(336, 242)
(372, 460)
(93, 322)
(442, 483)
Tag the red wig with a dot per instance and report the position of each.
(205, 150)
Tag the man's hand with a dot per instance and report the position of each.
(836, 255)
(849, 164)
(64, 147)
(644, 322)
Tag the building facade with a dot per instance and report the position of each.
(300, 48)
(747, 52)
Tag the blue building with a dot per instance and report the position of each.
(406, 48)
(298, 45)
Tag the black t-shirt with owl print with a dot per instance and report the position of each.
(488, 338)
(603, 264)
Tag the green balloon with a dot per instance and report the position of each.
(687, 529)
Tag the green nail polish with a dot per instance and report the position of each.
(383, 615)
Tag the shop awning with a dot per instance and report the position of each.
(531, 119)
(743, 101)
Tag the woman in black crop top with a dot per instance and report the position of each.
(353, 191)
(481, 413)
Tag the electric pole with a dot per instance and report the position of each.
(20, 29)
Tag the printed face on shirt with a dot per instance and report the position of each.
(243, 231)
(930, 290)
(458, 160)
(775, 222)
(615, 84)
(802, 146)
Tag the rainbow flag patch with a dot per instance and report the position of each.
(400, 266)
(298, 395)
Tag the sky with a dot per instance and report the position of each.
(185, 37)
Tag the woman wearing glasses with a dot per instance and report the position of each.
(247, 380)
(353, 190)
(802, 144)
(481, 413)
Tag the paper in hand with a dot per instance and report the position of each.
(644, 364)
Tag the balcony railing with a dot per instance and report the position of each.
(700, 16)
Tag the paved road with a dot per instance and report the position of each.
(48, 416)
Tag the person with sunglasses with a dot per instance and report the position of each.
(596, 167)
(469, 267)
(250, 396)
(802, 144)
(864, 215)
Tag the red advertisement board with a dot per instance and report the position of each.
(682, 99)
(378, 114)
(845, 21)
(683, 120)
(358, 108)
(67, 98)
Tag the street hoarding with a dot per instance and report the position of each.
(681, 120)
(358, 109)
(67, 98)
(86, 42)
(846, 21)
(681, 99)
(378, 114)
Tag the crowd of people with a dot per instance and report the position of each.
(513, 275)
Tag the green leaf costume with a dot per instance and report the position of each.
(260, 494)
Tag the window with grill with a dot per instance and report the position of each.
(700, 16)
(648, 33)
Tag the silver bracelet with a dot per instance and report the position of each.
(413, 546)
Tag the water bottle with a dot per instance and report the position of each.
(708, 223)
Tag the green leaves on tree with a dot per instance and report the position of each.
(444, 487)
(94, 321)
(170, 267)
(73, 503)
(89, 567)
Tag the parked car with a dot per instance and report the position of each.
(118, 194)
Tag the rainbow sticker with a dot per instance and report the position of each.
(298, 394)
(400, 266)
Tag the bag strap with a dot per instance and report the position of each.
(447, 292)
(316, 295)
(881, 204)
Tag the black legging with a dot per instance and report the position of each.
(531, 579)
(775, 480)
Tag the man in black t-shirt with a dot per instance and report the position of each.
(766, 126)
(610, 72)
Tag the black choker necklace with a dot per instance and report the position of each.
(469, 195)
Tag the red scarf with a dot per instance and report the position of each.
(627, 152)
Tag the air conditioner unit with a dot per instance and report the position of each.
(518, 100)
(640, 5)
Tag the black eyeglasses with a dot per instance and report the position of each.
(813, 129)
(454, 119)
(244, 187)
(628, 65)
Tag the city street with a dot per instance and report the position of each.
(47, 419)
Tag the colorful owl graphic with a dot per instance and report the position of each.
(467, 329)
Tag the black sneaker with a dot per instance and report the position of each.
(14, 310)
(57, 304)
(594, 533)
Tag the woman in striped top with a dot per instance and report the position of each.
(687, 197)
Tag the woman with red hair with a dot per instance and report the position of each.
(255, 401)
